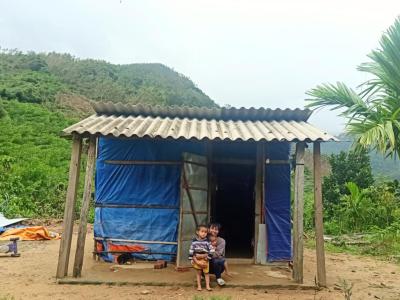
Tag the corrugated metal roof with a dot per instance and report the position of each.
(193, 128)
(244, 114)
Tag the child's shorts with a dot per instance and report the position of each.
(205, 270)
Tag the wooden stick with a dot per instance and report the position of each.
(298, 214)
(87, 192)
(73, 181)
(141, 162)
(187, 189)
(319, 225)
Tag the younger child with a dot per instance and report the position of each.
(213, 241)
(200, 253)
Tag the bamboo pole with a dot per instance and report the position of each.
(73, 181)
(298, 214)
(319, 226)
(80, 244)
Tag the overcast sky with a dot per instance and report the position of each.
(242, 53)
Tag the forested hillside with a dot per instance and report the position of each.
(37, 78)
(382, 168)
(40, 94)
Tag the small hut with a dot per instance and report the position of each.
(160, 171)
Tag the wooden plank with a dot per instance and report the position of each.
(234, 161)
(73, 181)
(151, 206)
(319, 226)
(298, 214)
(277, 162)
(87, 192)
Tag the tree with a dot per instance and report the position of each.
(345, 167)
(373, 114)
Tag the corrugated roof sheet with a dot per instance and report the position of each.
(188, 128)
(244, 114)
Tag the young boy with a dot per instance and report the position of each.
(200, 253)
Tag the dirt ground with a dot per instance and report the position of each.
(31, 276)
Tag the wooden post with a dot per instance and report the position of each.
(259, 224)
(73, 182)
(209, 178)
(87, 192)
(319, 225)
(298, 214)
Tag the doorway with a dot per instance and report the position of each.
(233, 206)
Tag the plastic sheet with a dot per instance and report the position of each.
(139, 202)
(277, 204)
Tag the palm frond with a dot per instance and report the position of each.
(337, 96)
(385, 64)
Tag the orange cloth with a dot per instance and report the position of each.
(127, 248)
(33, 233)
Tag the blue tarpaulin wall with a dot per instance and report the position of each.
(139, 202)
(277, 203)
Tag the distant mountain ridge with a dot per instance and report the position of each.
(39, 77)
(382, 168)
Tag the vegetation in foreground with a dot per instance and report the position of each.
(354, 203)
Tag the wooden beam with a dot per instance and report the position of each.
(73, 182)
(209, 154)
(298, 214)
(234, 161)
(142, 162)
(87, 192)
(319, 225)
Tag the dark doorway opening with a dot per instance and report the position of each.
(233, 206)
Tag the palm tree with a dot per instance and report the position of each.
(373, 115)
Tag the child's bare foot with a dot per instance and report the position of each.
(228, 274)
(209, 289)
(199, 289)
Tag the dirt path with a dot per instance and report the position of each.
(31, 276)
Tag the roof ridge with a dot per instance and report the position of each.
(191, 112)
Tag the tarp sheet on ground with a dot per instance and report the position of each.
(32, 233)
(140, 202)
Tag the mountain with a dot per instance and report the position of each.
(39, 77)
(382, 168)
(40, 94)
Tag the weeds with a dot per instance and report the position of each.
(346, 288)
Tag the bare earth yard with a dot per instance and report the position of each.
(31, 276)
